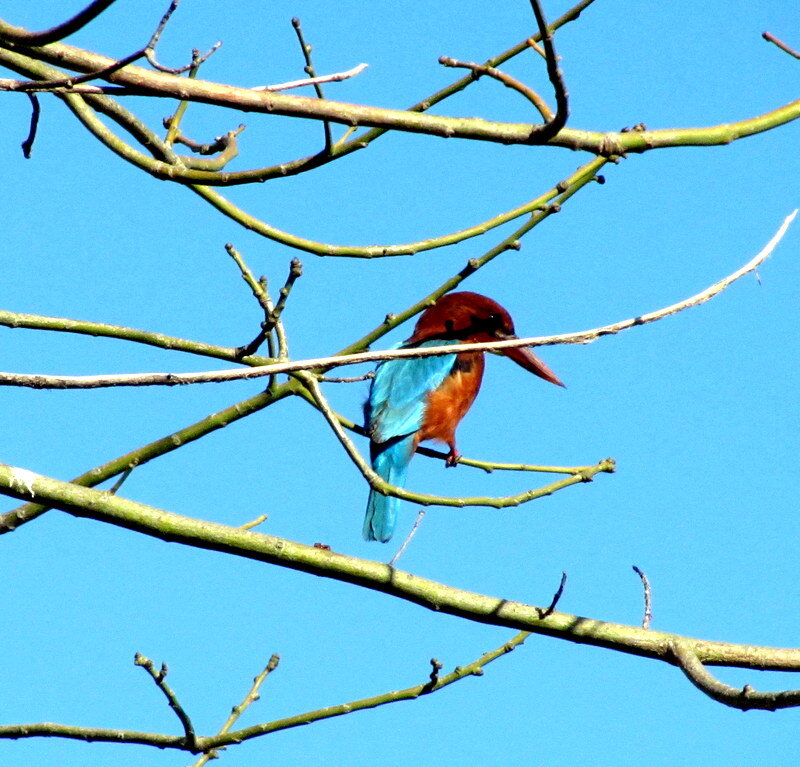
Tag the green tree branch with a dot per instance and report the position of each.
(656, 645)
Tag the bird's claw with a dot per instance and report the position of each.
(453, 457)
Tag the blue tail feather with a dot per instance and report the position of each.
(390, 461)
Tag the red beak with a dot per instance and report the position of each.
(525, 358)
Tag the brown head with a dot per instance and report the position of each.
(473, 318)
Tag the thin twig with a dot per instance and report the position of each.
(295, 272)
(259, 290)
(220, 143)
(70, 82)
(259, 293)
(122, 477)
(543, 133)
(42, 381)
(769, 37)
(382, 486)
(348, 379)
(254, 523)
(149, 50)
(48, 729)
(548, 611)
(312, 73)
(506, 79)
(251, 697)
(487, 466)
(27, 145)
(411, 534)
(159, 678)
(334, 78)
(172, 123)
(648, 598)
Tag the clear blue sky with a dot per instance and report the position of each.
(700, 410)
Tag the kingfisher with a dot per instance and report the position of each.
(412, 400)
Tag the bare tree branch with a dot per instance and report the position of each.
(657, 645)
(648, 598)
(159, 677)
(227, 738)
(251, 697)
(744, 698)
(769, 37)
(334, 78)
(138, 81)
(42, 381)
(14, 34)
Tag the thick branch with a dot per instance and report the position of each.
(93, 504)
(139, 81)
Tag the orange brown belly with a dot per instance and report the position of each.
(448, 404)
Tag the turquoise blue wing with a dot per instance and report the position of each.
(398, 393)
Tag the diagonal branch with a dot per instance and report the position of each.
(510, 82)
(159, 677)
(487, 466)
(770, 38)
(312, 73)
(163, 525)
(138, 457)
(251, 697)
(336, 77)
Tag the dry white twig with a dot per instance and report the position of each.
(42, 381)
(335, 78)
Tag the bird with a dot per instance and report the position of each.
(415, 399)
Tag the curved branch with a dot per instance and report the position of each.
(39, 381)
(744, 698)
(165, 164)
(10, 33)
(543, 133)
(538, 204)
(382, 486)
(504, 78)
(487, 466)
(157, 523)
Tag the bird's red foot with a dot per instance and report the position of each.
(453, 457)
